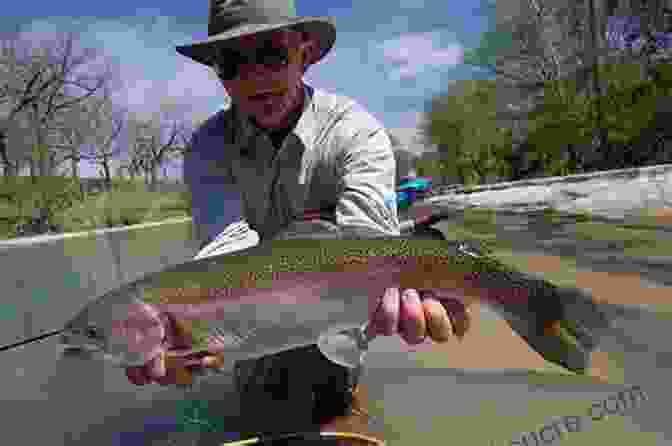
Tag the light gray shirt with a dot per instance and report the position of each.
(338, 159)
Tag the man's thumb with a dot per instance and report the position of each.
(179, 333)
(156, 367)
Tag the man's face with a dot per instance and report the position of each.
(262, 73)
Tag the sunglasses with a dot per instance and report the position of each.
(272, 56)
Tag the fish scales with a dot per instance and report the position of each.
(208, 297)
(425, 263)
(262, 271)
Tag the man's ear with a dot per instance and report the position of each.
(309, 50)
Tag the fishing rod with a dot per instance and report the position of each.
(420, 224)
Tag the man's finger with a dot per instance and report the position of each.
(386, 318)
(460, 316)
(156, 367)
(137, 376)
(177, 372)
(213, 361)
(412, 318)
(439, 327)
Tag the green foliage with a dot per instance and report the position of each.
(428, 167)
(21, 197)
(463, 124)
(563, 119)
(629, 102)
(126, 204)
(568, 118)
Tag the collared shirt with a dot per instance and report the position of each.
(338, 161)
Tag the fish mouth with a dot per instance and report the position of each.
(72, 349)
(80, 351)
(91, 352)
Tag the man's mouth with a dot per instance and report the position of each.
(266, 95)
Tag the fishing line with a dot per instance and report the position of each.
(308, 437)
(29, 340)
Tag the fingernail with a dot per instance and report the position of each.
(390, 309)
(410, 296)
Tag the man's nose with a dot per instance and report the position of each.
(255, 71)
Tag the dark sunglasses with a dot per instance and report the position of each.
(228, 61)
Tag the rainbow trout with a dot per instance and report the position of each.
(284, 294)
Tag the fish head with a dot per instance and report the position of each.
(103, 329)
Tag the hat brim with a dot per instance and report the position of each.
(321, 27)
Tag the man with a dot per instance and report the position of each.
(289, 160)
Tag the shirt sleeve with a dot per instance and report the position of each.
(367, 178)
(215, 199)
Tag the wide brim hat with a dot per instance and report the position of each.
(232, 19)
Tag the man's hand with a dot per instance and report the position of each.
(173, 370)
(416, 315)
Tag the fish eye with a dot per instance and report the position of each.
(92, 331)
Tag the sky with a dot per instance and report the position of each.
(390, 55)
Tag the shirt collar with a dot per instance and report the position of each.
(305, 128)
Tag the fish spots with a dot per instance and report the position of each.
(352, 263)
(181, 295)
(552, 328)
(248, 279)
(509, 295)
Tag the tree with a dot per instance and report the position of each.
(42, 82)
(540, 47)
(527, 53)
(89, 131)
(540, 43)
(631, 111)
(153, 142)
(465, 126)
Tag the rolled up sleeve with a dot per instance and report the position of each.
(367, 177)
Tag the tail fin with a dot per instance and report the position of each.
(566, 330)
(563, 325)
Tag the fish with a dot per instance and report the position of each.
(286, 293)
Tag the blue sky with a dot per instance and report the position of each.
(390, 55)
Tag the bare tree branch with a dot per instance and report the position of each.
(44, 81)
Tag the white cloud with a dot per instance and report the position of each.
(413, 53)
